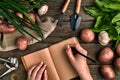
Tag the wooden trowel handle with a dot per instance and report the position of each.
(65, 6)
(78, 4)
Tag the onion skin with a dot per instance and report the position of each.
(22, 43)
(106, 55)
(117, 63)
(6, 29)
(20, 15)
(87, 35)
(32, 16)
(107, 72)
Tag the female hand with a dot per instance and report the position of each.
(38, 72)
(78, 61)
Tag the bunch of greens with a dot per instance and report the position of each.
(107, 15)
(7, 7)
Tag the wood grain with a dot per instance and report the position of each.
(62, 33)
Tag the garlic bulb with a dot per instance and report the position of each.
(43, 10)
(103, 38)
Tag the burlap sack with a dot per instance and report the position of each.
(9, 39)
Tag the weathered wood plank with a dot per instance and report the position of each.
(65, 29)
(59, 3)
(94, 70)
(68, 13)
(60, 34)
(54, 12)
(19, 74)
(17, 53)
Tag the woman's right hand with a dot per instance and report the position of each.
(77, 59)
(79, 62)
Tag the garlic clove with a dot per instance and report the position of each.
(43, 10)
(103, 38)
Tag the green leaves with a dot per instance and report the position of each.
(94, 11)
(101, 4)
(116, 18)
(107, 15)
(113, 6)
(98, 21)
(22, 6)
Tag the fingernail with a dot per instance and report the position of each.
(41, 62)
(45, 65)
(45, 71)
(68, 46)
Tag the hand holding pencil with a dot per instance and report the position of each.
(78, 61)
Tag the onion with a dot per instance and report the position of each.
(6, 28)
(22, 42)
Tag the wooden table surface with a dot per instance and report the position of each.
(59, 34)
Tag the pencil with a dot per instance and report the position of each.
(76, 52)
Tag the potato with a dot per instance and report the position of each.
(6, 28)
(22, 43)
(118, 49)
(107, 72)
(106, 54)
(87, 35)
(117, 63)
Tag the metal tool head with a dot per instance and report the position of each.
(78, 21)
(60, 19)
(8, 71)
(75, 21)
(11, 63)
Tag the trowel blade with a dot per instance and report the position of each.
(77, 24)
(75, 21)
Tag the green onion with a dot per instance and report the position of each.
(24, 7)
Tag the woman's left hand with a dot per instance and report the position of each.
(38, 72)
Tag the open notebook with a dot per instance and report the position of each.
(55, 57)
